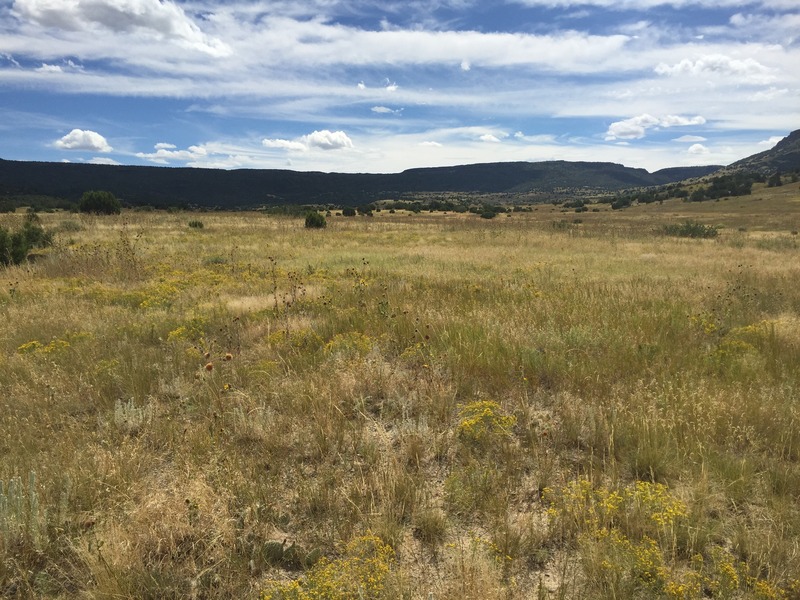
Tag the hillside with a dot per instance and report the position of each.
(161, 186)
(784, 157)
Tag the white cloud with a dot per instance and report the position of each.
(768, 95)
(45, 68)
(430, 144)
(80, 139)
(698, 149)
(100, 160)
(324, 140)
(9, 58)
(747, 69)
(488, 137)
(690, 138)
(165, 153)
(767, 144)
(66, 66)
(361, 85)
(382, 110)
(164, 146)
(285, 144)
(648, 4)
(635, 128)
(328, 140)
(154, 18)
(465, 65)
(544, 138)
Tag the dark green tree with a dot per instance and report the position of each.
(99, 203)
(315, 220)
(775, 180)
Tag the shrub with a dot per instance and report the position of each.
(488, 214)
(14, 246)
(691, 229)
(315, 220)
(99, 203)
(348, 211)
(196, 224)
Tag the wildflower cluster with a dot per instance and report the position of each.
(193, 330)
(628, 543)
(351, 344)
(483, 420)
(54, 345)
(362, 572)
(705, 323)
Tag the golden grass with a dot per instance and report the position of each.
(509, 404)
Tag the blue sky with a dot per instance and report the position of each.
(382, 86)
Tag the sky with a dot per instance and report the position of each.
(380, 86)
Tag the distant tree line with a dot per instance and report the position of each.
(723, 186)
(726, 186)
(646, 196)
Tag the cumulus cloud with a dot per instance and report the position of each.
(328, 140)
(635, 128)
(163, 20)
(102, 160)
(698, 149)
(767, 144)
(165, 153)
(488, 137)
(690, 138)
(747, 69)
(83, 139)
(324, 140)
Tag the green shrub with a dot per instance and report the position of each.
(315, 220)
(691, 229)
(195, 224)
(14, 246)
(99, 203)
(348, 211)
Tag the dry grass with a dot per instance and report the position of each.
(208, 412)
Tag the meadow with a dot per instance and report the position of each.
(434, 406)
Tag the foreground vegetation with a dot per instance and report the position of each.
(405, 406)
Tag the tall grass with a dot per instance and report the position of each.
(511, 408)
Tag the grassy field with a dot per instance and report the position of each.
(543, 405)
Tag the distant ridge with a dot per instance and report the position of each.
(784, 157)
(170, 186)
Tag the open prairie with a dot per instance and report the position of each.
(542, 405)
